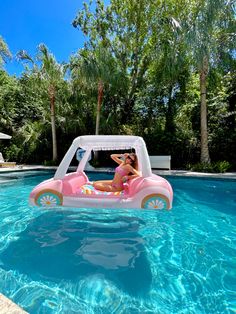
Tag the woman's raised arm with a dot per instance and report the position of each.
(116, 158)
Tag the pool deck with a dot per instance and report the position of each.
(179, 173)
(9, 307)
(186, 173)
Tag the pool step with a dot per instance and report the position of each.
(9, 307)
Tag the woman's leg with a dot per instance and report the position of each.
(105, 185)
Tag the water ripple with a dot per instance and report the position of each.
(129, 262)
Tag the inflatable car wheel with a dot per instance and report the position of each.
(48, 198)
(155, 201)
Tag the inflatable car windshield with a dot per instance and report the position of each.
(148, 191)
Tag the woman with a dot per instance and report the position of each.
(126, 170)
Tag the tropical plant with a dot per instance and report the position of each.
(217, 167)
(97, 70)
(123, 28)
(208, 31)
(49, 72)
(138, 73)
(9, 90)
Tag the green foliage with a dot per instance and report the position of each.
(4, 52)
(216, 167)
(13, 153)
(147, 56)
(95, 163)
(50, 163)
(222, 166)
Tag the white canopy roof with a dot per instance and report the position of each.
(106, 142)
(4, 136)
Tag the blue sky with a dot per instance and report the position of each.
(27, 23)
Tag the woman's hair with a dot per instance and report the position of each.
(134, 163)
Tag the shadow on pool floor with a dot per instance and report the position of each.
(64, 246)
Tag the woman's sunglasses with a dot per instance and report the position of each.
(130, 158)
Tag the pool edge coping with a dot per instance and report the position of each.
(177, 173)
(7, 306)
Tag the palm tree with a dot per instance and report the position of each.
(49, 73)
(96, 70)
(205, 24)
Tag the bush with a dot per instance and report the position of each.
(13, 153)
(216, 167)
(222, 166)
(50, 163)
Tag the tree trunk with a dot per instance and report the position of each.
(100, 97)
(53, 124)
(169, 124)
(204, 134)
(99, 104)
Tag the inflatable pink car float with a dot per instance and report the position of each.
(148, 191)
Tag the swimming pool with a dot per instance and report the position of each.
(120, 261)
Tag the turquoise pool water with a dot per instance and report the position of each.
(120, 261)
